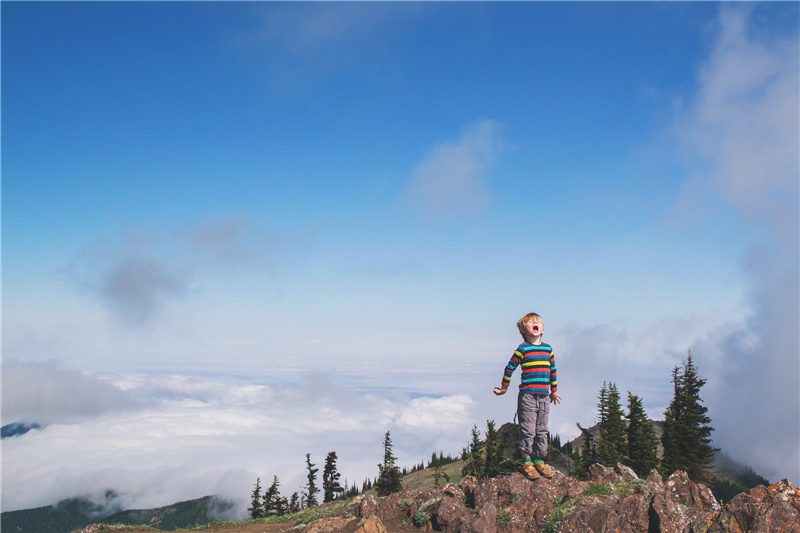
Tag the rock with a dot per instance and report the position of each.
(371, 524)
(677, 505)
(448, 514)
(485, 521)
(598, 473)
(454, 491)
(603, 474)
(608, 514)
(330, 525)
(366, 507)
(501, 490)
(773, 509)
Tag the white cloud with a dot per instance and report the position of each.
(44, 393)
(453, 176)
(195, 436)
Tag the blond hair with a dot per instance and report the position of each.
(524, 320)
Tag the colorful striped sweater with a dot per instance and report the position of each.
(538, 368)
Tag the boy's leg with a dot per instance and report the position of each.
(539, 445)
(539, 450)
(526, 416)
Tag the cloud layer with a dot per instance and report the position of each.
(162, 439)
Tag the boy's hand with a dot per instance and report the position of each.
(555, 398)
(499, 391)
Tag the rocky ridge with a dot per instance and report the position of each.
(610, 500)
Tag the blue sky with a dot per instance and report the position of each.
(363, 198)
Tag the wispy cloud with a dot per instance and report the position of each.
(453, 177)
(740, 134)
(141, 275)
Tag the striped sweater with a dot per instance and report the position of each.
(538, 368)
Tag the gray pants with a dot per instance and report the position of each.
(533, 411)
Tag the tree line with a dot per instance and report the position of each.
(389, 480)
(271, 503)
(685, 440)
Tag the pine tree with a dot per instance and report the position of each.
(294, 503)
(686, 439)
(389, 474)
(256, 509)
(586, 457)
(472, 455)
(642, 440)
(612, 446)
(330, 479)
(311, 486)
(494, 455)
(273, 503)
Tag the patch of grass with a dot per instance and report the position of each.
(598, 488)
(560, 512)
(504, 518)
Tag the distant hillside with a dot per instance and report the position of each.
(76, 513)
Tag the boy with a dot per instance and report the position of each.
(538, 383)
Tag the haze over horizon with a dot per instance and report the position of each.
(237, 233)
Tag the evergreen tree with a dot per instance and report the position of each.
(612, 446)
(494, 455)
(256, 509)
(602, 404)
(586, 457)
(687, 433)
(438, 475)
(294, 503)
(642, 440)
(311, 486)
(389, 474)
(274, 504)
(330, 479)
(472, 455)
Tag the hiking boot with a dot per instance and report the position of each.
(544, 470)
(530, 471)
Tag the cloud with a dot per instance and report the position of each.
(740, 136)
(302, 46)
(45, 393)
(143, 274)
(452, 178)
(197, 435)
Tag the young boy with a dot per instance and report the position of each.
(537, 385)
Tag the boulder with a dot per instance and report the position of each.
(773, 509)
(605, 513)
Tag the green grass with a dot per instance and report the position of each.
(560, 512)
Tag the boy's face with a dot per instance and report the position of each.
(534, 327)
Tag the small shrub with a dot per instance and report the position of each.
(422, 517)
(504, 518)
(598, 488)
(560, 512)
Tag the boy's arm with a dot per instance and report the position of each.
(512, 365)
(554, 396)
